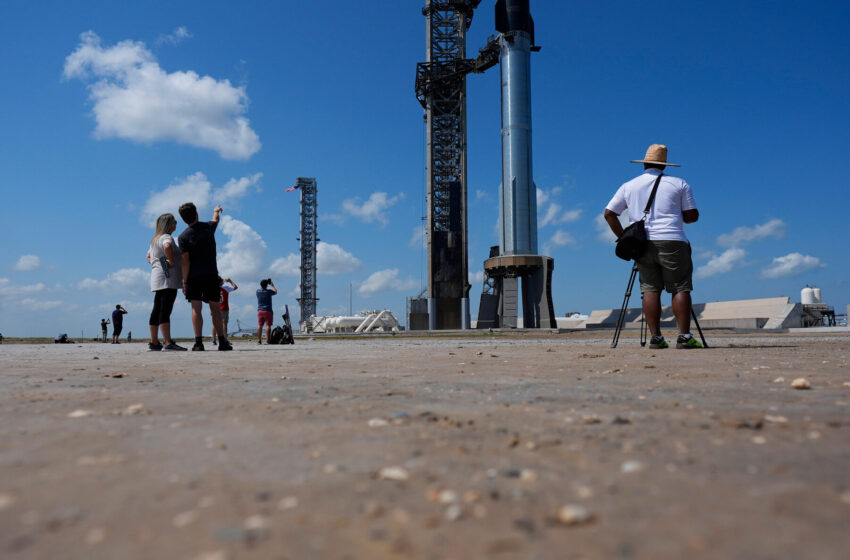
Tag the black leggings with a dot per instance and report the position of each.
(163, 302)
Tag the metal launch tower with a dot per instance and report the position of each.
(441, 89)
(309, 241)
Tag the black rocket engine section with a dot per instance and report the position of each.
(514, 15)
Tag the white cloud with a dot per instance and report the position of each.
(373, 210)
(481, 194)
(569, 216)
(175, 37)
(27, 262)
(7, 289)
(137, 100)
(791, 264)
(417, 239)
(244, 252)
(198, 189)
(773, 228)
(385, 280)
(722, 263)
(603, 230)
(39, 305)
(332, 259)
(125, 280)
(476, 278)
(551, 213)
(286, 266)
(559, 239)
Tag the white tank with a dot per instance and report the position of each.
(817, 295)
(807, 296)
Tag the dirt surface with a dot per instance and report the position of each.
(552, 447)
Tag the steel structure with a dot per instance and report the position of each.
(441, 89)
(309, 241)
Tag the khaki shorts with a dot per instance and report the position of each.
(666, 265)
(225, 316)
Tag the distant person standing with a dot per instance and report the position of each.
(225, 302)
(129, 336)
(166, 263)
(117, 323)
(103, 323)
(265, 315)
(666, 263)
(200, 272)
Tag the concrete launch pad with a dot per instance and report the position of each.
(545, 447)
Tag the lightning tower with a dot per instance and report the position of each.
(309, 240)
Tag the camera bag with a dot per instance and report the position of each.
(632, 242)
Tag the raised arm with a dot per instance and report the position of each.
(271, 285)
(216, 213)
(232, 283)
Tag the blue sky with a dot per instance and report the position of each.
(115, 113)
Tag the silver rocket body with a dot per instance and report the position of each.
(518, 204)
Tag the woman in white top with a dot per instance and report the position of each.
(166, 279)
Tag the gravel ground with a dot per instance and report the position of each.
(533, 447)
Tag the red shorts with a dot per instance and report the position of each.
(265, 318)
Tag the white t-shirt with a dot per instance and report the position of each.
(158, 279)
(664, 221)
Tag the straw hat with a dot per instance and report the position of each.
(657, 153)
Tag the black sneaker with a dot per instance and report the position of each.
(174, 346)
(657, 342)
(224, 346)
(154, 347)
(198, 347)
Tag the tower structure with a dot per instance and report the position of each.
(441, 89)
(309, 241)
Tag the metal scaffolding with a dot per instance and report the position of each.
(441, 89)
(309, 241)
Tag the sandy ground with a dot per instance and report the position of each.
(553, 447)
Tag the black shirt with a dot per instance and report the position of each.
(198, 241)
(117, 318)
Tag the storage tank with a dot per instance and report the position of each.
(807, 296)
(817, 295)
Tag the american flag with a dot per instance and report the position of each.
(292, 188)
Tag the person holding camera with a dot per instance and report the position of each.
(265, 315)
(666, 263)
(200, 272)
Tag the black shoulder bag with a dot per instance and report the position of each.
(632, 242)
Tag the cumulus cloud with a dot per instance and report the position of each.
(244, 251)
(722, 263)
(559, 239)
(385, 280)
(7, 289)
(553, 212)
(177, 36)
(417, 239)
(135, 99)
(774, 228)
(40, 305)
(198, 189)
(27, 263)
(373, 209)
(330, 259)
(791, 264)
(125, 280)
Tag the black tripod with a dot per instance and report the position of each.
(643, 326)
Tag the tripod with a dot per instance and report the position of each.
(643, 326)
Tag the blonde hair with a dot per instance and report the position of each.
(163, 225)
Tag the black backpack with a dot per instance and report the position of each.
(277, 336)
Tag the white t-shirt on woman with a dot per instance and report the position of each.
(158, 279)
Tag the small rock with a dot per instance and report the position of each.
(6, 501)
(393, 473)
(256, 523)
(448, 497)
(845, 497)
(620, 420)
(80, 413)
(574, 514)
(132, 410)
(96, 535)
(289, 502)
(801, 383)
(590, 420)
(776, 419)
(779, 379)
(119, 375)
(847, 383)
(759, 440)
(377, 423)
(631, 466)
(528, 475)
(454, 512)
(184, 518)
(615, 370)
(330, 468)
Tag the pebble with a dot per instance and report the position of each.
(590, 420)
(528, 475)
(132, 410)
(377, 423)
(80, 413)
(448, 497)
(847, 383)
(184, 518)
(574, 514)
(96, 535)
(256, 523)
(393, 473)
(845, 497)
(801, 383)
(6, 501)
(776, 419)
(631, 466)
(759, 440)
(779, 379)
(454, 512)
(289, 502)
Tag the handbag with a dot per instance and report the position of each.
(632, 242)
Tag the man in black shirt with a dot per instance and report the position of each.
(200, 272)
(117, 323)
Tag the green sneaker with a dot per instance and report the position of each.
(658, 342)
(689, 342)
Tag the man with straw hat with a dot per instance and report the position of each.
(666, 263)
